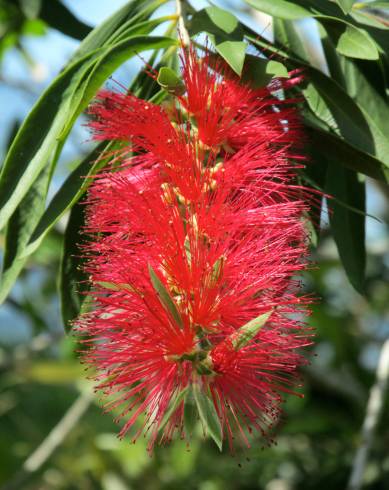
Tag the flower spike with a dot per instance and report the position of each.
(195, 245)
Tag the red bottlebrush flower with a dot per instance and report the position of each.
(195, 243)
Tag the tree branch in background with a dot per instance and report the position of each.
(183, 33)
(373, 412)
(54, 439)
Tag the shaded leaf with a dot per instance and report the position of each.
(72, 279)
(333, 147)
(173, 405)
(345, 5)
(208, 415)
(348, 227)
(165, 297)
(259, 71)
(61, 18)
(191, 414)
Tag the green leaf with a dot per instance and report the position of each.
(68, 194)
(46, 128)
(208, 415)
(59, 17)
(331, 104)
(280, 8)
(94, 76)
(42, 134)
(345, 5)
(224, 31)
(130, 14)
(233, 52)
(217, 22)
(170, 81)
(223, 19)
(335, 148)
(165, 298)
(190, 413)
(374, 4)
(259, 71)
(348, 227)
(243, 335)
(350, 40)
(286, 33)
(35, 143)
(173, 405)
(72, 279)
(18, 231)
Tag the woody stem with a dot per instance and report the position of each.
(183, 33)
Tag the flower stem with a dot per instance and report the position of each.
(182, 31)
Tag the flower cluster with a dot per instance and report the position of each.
(195, 243)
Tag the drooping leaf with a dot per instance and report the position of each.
(191, 413)
(348, 227)
(208, 415)
(131, 13)
(68, 194)
(335, 148)
(72, 279)
(165, 297)
(59, 17)
(19, 229)
(173, 405)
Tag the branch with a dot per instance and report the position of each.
(373, 412)
(54, 439)
(182, 31)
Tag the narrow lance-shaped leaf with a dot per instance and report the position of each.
(165, 297)
(58, 16)
(131, 13)
(173, 405)
(347, 226)
(350, 40)
(72, 279)
(18, 231)
(190, 413)
(208, 415)
(68, 194)
(280, 8)
(242, 337)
